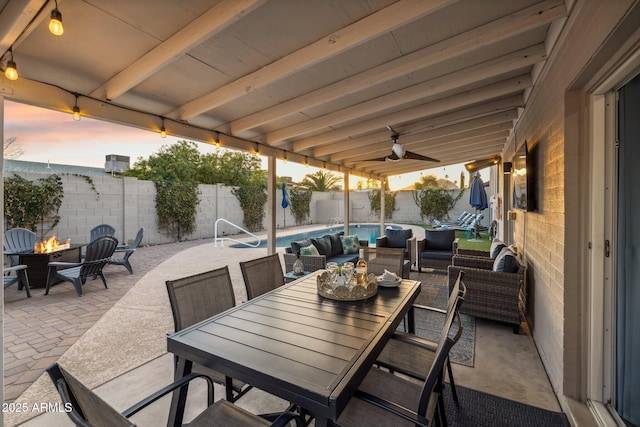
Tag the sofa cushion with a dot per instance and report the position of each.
(295, 246)
(506, 262)
(309, 250)
(336, 244)
(440, 255)
(439, 240)
(323, 244)
(350, 244)
(341, 259)
(496, 247)
(397, 238)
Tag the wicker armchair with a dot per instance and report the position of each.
(490, 294)
(400, 239)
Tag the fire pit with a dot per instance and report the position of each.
(44, 253)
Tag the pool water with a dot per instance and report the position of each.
(368, 232)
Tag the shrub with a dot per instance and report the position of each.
(389, 202)
(252, 200)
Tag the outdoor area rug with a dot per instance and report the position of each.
(477, 409)
(429, 323)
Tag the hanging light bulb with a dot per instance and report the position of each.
(257, 150)
(163, 130)
(76, 111)
(55, 24)
(217, 140)
(11, 72)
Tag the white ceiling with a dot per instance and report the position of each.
(305, 79)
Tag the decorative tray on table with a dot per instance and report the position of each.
(349, 292)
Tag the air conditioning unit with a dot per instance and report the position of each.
(116, 164)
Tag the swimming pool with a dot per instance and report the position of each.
(364, 231)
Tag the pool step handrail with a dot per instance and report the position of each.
(222, 239)
(334, 221)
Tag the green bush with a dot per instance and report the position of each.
(435, 203)
(176, 203)
(300, 201)
(27, 203)
(252, 200)
(389, 202)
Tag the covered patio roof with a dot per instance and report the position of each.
(314, 82)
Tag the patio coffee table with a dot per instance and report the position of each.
(295, 344)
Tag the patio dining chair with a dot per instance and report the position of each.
(384, 398)
(411, 355)
(20, 277)
(86, 408)
(98, 254)
(262, 275)
(196, 298)
(128, 251)
(380, 259)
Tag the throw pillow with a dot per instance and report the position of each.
(496, 247)
(506, 262)
(323, 244)
(350, 244)
(336, 244)
(397, 238)
(295, 246)
(309, 250)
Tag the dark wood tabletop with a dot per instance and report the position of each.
(297, 345)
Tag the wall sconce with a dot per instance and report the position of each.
(11, 72)
(507, 167)
(163, 130)
(76, 111)
(55, 24)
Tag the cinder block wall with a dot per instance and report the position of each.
(129, 204)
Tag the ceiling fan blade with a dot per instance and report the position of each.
(393, 156)
(415, 156)
(377, 159)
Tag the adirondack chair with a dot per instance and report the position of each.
(18, 240)
(21, 278)
(128, 251)
(98, 255)
(101, 230)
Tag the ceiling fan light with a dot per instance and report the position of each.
(55, 24)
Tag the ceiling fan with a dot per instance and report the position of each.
(397, 152)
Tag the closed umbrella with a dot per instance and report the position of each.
(285, 204)
(477, 199)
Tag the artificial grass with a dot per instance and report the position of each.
(463, 239)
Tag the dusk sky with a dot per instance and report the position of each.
(51, 136)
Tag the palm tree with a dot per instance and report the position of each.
(321, 181)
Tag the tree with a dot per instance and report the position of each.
(321, 181)
(426, 181)
(11, 149)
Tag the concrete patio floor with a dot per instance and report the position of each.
(122, 351)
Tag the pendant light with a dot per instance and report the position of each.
(76, 111)
(163, 130)
(11, 72)
(55, 24)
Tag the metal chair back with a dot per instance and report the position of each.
(262, 275)
(200, 296)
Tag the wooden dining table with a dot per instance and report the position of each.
(295, 344)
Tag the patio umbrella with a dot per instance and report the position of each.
(477, 199)
(285, 204)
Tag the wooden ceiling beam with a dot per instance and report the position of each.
(437, 145)
(481, 95)
(213, 21)
(492, 32)
(383, 21)
(342, 150)
(426, 90)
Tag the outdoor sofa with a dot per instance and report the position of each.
(496, 287)
(329, 248)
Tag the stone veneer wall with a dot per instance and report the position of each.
(128, 204)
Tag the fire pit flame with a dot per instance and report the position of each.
(50, 245)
